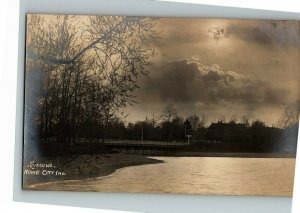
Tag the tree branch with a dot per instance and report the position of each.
(81, 52)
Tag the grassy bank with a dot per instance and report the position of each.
(79, 167)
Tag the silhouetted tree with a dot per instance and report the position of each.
(169, 112)
(194, 121)
(87, 72)
(258, 124)
(245, 120)
(291, 115)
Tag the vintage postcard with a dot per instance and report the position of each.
(161, 105)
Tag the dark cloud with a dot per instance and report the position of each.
(286, 33)
(170, 82)
(180, 81)
(253, 34)
(264, 57)
(263, 32)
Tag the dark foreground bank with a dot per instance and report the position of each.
(78, 167)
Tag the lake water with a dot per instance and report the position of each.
(195, 175)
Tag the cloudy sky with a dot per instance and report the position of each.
(222, 67)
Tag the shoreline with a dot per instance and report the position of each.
(82, 167)
(136, 180)
(229, 155)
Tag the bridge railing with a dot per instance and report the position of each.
(159, 143)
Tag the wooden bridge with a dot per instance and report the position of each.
(142, 147)
(154, 147)
(146, 147)
(144, 143)
(110, 142)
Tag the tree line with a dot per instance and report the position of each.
(232, 135)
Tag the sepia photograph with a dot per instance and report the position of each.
(161, 105)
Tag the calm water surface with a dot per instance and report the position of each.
(194, 175)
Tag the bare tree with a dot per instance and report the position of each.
(291, 115)
(194, 121)
(245, 121)
(169, 112)
(222, 119)
(89, 71)
(203, 121)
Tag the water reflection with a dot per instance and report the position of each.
(195, 175)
